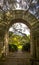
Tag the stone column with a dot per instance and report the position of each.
(6, 39)
(1, 43)
(33, 44)
(37, 44)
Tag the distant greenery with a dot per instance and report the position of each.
(12, 47)
(18, 40)
(26, 47)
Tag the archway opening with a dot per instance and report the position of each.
(19, 37)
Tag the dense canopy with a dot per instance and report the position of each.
(31, 5)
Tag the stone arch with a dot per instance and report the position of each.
(9, 16)
(16, 16)
(19, 21)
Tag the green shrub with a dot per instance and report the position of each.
(12, 47)
(26, 47)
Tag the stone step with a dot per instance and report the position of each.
(17, 58)
(19, 55)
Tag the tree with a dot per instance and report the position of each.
(28, 5)
(17, 40)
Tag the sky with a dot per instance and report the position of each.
(20, 27)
